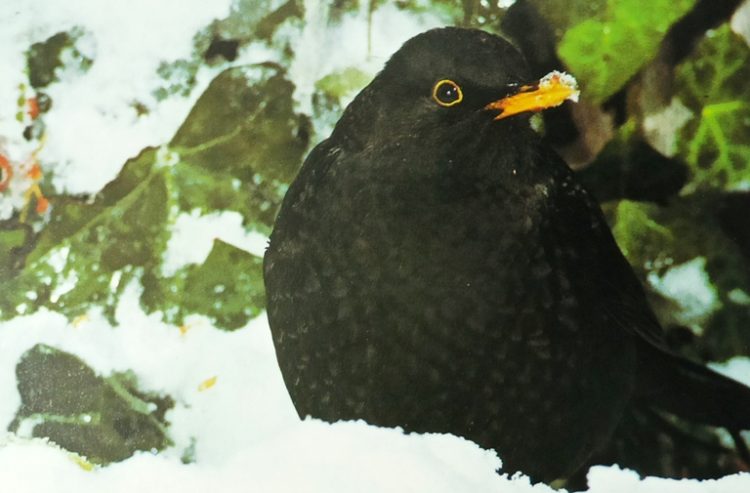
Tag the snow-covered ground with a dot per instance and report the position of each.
(247, 436)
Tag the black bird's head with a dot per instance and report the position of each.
(450, 84)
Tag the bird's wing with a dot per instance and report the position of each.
(577, 224)
(665, 380)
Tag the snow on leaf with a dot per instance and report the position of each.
(236, 151)
(124, 228)
(228, 287)
(244, 124)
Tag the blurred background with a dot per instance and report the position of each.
(145, 148)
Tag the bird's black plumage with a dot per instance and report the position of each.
(435, 269)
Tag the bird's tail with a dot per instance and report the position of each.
(692, 391)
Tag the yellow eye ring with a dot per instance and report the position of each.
(447, 93)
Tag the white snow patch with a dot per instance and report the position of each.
(58, 257)
(193, 235)
(354, 457)
(564, 79)
(689, 286)
(317, 457)
(26, 426)
(740, 21)
(737, 368)
(661, 128)
(64, 285)
(319, 49)
(616, 480)
(92, 127)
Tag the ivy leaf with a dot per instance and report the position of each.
(13, 243)
(88, 252)
(241, 145)
(230, 296)
(642, 239)
(605, 51)
(245, 124)
(103, 419)
(236, 150)
(713, 83)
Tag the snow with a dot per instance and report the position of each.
(740, 21)
(342, 468)
(244, 430)
(663, 126)
(128, 41)
(737, 368)
(193, 235)
(689, 286)
(319, 50)
(244, 426)
(615, 480)
(564, 79)
(247, 434)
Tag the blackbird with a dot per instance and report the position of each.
(434, 266)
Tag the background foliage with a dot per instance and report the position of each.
(661, 136)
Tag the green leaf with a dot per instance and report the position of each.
(13, 245)
(655, 239)
(80, 256)
(713, 83)
(228, 287)
(643, 240)
(245, 124)
(241, 145)
(237, 149)
(103, 419)
(604, 52)
(45, 57)
(292, 9)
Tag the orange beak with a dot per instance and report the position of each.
(551, 90)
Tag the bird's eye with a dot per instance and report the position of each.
(447, 93)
